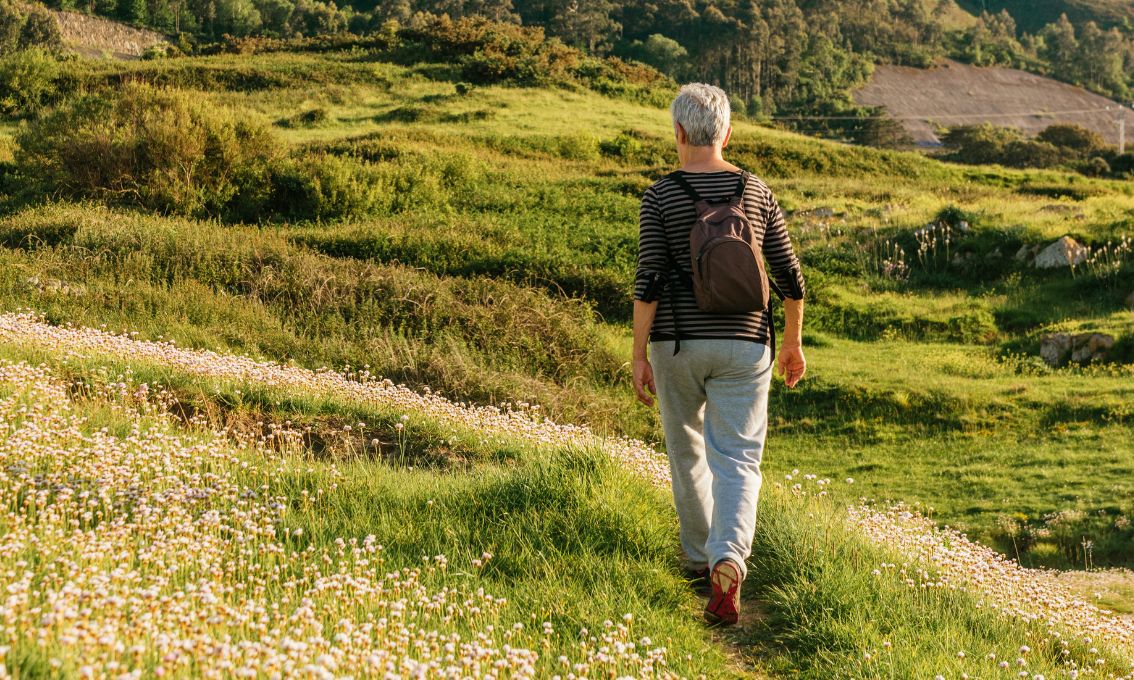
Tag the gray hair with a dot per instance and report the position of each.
(703, 112)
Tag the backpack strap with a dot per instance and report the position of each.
(742, 183)
(676, 273)
(680, 180)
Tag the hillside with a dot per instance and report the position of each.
(1032, 15)
(952, 94)
(94, 36)
(407, 317)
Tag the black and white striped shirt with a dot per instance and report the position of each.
(667, 215)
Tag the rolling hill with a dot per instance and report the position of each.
(385, 422)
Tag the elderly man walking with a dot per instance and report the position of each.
(711, 340)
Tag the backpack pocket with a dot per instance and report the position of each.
(729, 277)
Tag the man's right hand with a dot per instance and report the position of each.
(644, 380)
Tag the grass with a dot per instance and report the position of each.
(501, 211)
(494, 265)
(573, 537)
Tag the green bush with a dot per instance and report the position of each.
(304, 119)
(28, 80)
(40, 30)
(321, 187)
(162, 149)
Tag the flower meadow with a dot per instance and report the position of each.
(147, 552)
(134, 546)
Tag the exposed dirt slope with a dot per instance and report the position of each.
(956, 94)
(95, 36)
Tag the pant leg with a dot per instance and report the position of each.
(736, 423)
(681, 399)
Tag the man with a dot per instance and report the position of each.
(712, 386)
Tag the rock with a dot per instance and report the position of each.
(1065, 252)
(994, 254)
(822, 212)
(1024, 253)
(56, 286)
(1056, 349)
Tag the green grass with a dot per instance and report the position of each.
(577, 540)
(496, 266)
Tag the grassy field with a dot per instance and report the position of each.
(497, 209)
(525, 535)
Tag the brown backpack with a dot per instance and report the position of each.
(728, 266)
(727, 262)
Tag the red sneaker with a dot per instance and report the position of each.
(724, 602)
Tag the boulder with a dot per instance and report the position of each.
(1065, 252)
(1056, 349)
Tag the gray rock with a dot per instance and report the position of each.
(822, 212)
(1024, 253)
(1056, 349)
(1063, 253)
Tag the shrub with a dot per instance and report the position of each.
(1073, 139)
(40, 30)
(312, 187)
(28, 80)
(1095, 167)
(308, 118)
(163, 149)
(1028, 153)
(11, 25)
(977, 144)
(27, 26)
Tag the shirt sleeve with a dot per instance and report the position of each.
(778, 251)
(653, 250)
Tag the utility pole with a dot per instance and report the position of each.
(1120, 121)
(1121, 130)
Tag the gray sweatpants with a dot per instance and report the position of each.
(714, 408)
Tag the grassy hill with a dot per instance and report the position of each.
(447, 213)
(1032, 15)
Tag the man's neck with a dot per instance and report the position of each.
(705, 159)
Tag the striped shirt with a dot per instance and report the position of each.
(667, 216)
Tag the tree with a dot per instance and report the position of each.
(1060, 48)
(40, 30)
(131, 11)
(992, 40)
(11, 25)
(1101, 59)
(663, 53)
(585, 23)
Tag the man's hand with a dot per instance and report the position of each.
(644, 380)
(792, 365)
